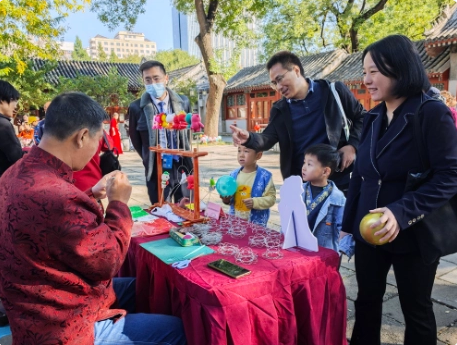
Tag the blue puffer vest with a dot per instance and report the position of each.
(262, 178)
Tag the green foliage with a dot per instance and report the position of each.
(113, 57)
(101, 53)
(99, 87)
(175, 58)
(188, 88)
(130, 59)
(315, 26)
(79, 54)
(408, 17)
(227, 68)
(118, 12)
(34, 89)
(38, 19)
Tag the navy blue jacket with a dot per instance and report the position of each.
(383, 164)
(279, 129)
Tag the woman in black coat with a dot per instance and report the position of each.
(394, 75)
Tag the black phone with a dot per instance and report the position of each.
(229, 269)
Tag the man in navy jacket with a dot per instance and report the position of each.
(307, 114)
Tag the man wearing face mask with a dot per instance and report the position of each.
(157, 99)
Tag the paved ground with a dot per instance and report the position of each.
(222, 159)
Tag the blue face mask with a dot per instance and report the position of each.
(155, 90)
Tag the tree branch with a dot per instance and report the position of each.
(212, 9)
(201, 16)
(359, 20)
(348, 8)
(322, 29)
(372, 11)
(363, 6)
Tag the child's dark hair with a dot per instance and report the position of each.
(255, 150)
(327, 155)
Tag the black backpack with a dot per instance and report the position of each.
(109, 160)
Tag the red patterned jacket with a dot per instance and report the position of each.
(57, 253)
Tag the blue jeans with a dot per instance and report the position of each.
(137, 329)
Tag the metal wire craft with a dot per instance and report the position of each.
(211, 238)
(246, 256)
(227, 248)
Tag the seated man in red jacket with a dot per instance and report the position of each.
(58, 252)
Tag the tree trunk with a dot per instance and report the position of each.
(354, 40)
(216, 86)
(213, 105)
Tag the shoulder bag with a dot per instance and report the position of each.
(346, 122)
(436, 233)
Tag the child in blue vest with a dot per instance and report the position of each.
(324, 201)
(255, 193)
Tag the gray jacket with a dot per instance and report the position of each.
(141, 117)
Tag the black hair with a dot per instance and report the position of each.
(8, 93)
(287, 60)
(72, 111)
(396, 57)
(150, 64)
(327, 155)
(256, 150)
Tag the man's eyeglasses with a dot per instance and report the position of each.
(278, 80)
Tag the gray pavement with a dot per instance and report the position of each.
(222, 159)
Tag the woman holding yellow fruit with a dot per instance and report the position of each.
(387, 156)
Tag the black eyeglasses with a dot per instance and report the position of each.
(278, 80)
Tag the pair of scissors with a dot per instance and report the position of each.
(184, 263)
(181, 264)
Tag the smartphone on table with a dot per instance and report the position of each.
(229, 268)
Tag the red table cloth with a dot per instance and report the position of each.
(299, 299)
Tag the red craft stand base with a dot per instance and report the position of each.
(190, 216)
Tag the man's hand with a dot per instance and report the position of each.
(239, 136)
(99, 190)
(391, 229)
(348, 156)
(118, 188)
(226, 199)
(249, 203)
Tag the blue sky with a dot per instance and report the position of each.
(155, 23)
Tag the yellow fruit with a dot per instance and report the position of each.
(368, 233)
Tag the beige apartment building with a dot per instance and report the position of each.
(125, 43)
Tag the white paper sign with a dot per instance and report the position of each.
(293, 216)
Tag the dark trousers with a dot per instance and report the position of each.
(414, 282)
(173, 186)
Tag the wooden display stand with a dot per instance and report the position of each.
(190, 216)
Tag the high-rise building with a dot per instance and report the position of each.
(125, 43)
(185, 29)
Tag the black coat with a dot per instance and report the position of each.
(10, 147)
(383, 163)
(280, 130)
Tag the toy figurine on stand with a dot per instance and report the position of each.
(174, 124)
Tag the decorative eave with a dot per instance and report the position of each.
(444, 31)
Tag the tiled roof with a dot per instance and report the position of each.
(99, 36)
(178, 73)
(445, 31)
(196, 73)
(350, 69)
(70, 69)
(315, 66)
